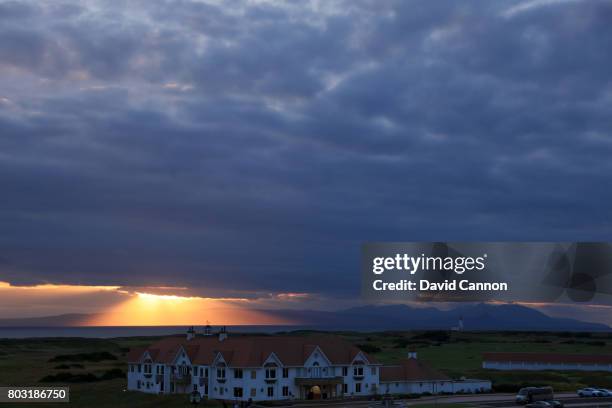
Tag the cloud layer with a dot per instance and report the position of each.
(252, 146)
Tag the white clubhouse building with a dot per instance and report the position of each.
(264, 368)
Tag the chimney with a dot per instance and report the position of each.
(223, 334)
(190, 333)
(412, 354)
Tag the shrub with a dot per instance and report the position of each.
(68, 377)
(369, 348)
(437, 336)
(93, 357)
(112, 373)
(62, 367)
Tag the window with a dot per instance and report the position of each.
(147, 369)
(358, 371)
(221, 373)
(357, 387)
(132, 368)
(195, 371)
(237, 392)
(316, 370)
(285, 373)
(253, 392)
(270, 373)
(206, 389)
(138, 384)
(253, 374)
(344, 371)
(345, 388)
(139, 368)
(220, 390)
(270, 391)
(285, 391)
(238, 373)
(373, 370)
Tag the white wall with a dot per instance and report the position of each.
(496, 365)
(435, 387)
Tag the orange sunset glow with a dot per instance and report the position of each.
(145, 309)
(117, 306)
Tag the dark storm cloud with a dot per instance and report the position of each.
(253, 146)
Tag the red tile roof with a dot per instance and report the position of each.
(252, 351)
(410, 369)
(553, 358)
(135, 354)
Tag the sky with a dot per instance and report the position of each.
(237, 153)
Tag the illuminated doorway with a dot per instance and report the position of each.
(314, 393)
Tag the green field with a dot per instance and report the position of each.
(460, 354)
(27, 362)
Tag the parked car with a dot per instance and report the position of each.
(532, 394)
(555, 404)
(589, 392)
(538, 404)
(604, 392)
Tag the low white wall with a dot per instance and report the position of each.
(512, 365)
(435, 387)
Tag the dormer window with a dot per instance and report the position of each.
(270, 373)
(316, 370)
(221, 373)
(147, 368)
(358, 369)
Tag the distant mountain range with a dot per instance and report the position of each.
(64, 320)
(475, 317)
(389, 317)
